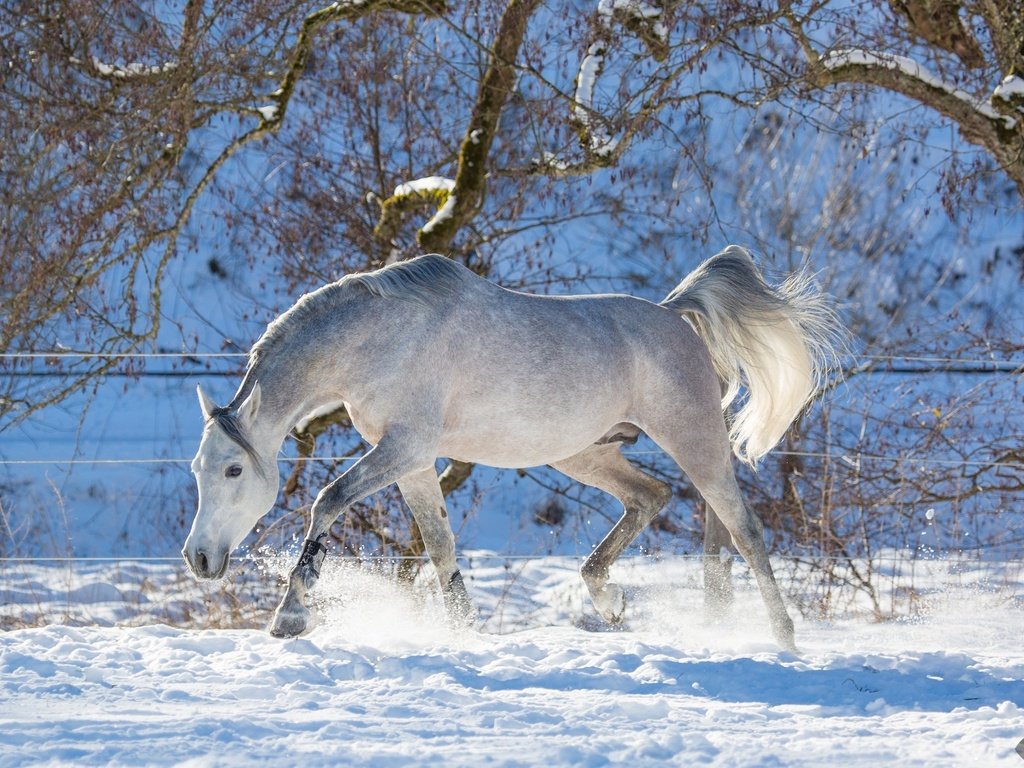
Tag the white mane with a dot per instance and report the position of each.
(423, 278)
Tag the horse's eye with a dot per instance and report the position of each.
(233, 471)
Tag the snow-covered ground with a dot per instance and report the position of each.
(381, 681)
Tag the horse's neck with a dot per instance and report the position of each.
(287, 395)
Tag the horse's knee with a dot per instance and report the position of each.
(437, 533)
(661, 493)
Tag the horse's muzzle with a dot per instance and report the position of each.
(205, 565)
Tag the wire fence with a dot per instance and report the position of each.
(842, 456)
(857, 359)
(859, 365)
(968, 555)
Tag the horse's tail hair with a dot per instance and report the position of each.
(778, 343)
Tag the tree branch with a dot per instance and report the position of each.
(979, 121)
(471, 176)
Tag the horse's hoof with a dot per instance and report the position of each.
(786, 641)
(290, 623)
(457, 603)
(610, 602)
(782, 628)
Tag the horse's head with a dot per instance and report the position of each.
(236, 485)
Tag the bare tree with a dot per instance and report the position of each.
(323, 138)
(964, 61)
(122, 115)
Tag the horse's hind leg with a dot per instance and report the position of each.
(717, 566)
(642, 497)
(702, 451)
(422, 493)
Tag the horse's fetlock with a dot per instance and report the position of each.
(457, 602)
(595, 575)
(784, 632)
(307, 570)
(307, 578)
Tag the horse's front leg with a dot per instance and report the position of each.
(422, 493)
(393, 457)
(292, 617)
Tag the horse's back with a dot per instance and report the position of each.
(534, 379)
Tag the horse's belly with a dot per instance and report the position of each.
(525, 454)
(501, 444)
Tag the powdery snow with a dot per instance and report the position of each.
(381, 682)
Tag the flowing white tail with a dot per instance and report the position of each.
(778, 343)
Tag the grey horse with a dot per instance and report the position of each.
(432, 360)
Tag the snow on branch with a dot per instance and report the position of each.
(429, 184)
(268, 113)
(839, 60)
(642, 19)
(411, 196)
(271, 116)
(444, 213)
(593, 131)
(1010, 92)
(131, 71)
(633, 8)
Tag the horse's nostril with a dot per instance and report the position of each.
(204, 564)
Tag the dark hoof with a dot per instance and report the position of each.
(289, 624)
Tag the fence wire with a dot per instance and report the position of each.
(845, 457)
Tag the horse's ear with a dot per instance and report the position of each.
(250, 406)
(205, 403)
